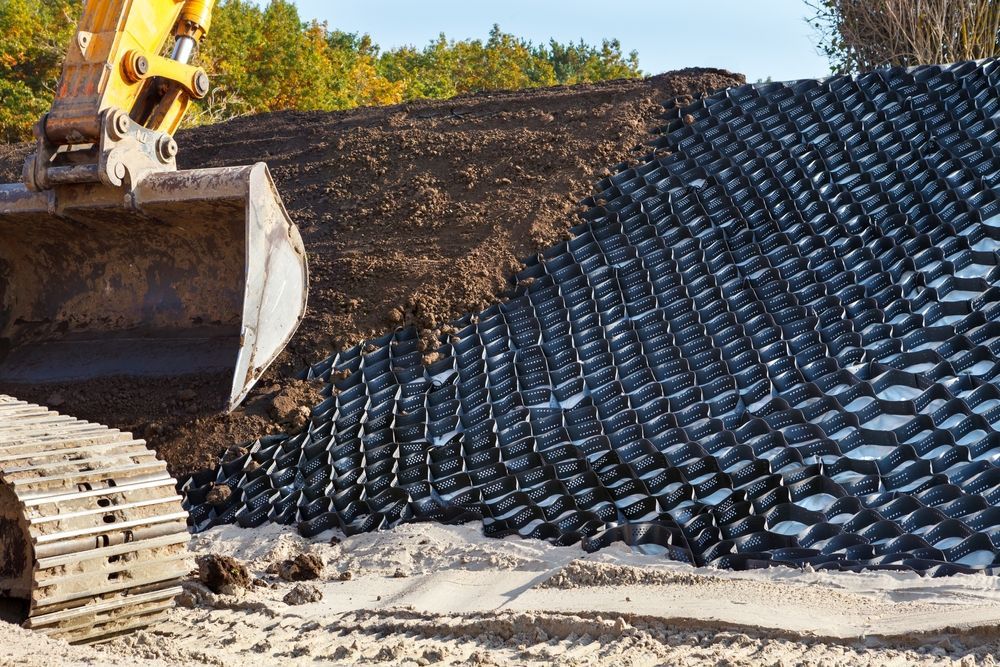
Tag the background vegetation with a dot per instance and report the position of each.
(269, 59)
(33, 38)
(861, 35)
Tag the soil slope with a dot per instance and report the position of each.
(411, 215)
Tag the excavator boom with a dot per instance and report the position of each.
(115, 62)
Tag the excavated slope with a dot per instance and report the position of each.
(774, 341)
(413, 214)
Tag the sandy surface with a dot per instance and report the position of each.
(430, 594)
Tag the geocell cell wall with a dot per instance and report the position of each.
(775, 341)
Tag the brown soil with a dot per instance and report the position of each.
(304, 567)
(411, 215)
(223, 574)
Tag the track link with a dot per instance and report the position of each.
(93, 538)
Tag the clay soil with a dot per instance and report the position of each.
(412, 215)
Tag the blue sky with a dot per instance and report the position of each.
(759, 38)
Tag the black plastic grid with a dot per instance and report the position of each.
(774, 342)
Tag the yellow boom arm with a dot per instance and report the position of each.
(115, 62)
(115, 84)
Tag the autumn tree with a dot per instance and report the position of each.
(268, 59)
(503, 62)
(860, 35)
(446, 68)
(33, 39)
(264, 57)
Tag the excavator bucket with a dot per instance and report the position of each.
(192, 272)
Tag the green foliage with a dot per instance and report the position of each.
(446, 68)
(33, 38)
(266, 58)
(582, 63)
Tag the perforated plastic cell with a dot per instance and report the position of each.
(774, 341)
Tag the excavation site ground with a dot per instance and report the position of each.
(669, 371)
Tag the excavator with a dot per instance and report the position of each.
(114, 263)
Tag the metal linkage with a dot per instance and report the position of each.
(775, 341)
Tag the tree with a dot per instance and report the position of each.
(582, 63)
(860, 35)
(264, 57)
(424, 74)
(33, 38)
(446, 68)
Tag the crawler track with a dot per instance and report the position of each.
(92, 533)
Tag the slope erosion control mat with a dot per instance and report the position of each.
(774, 342)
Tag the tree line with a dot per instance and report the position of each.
(267, 58)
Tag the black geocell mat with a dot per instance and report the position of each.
(776, 342)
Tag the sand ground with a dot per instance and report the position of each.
(426, 594)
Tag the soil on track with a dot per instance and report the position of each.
(411, 215)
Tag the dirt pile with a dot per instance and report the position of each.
(223, 574)
(304, 567)
(411, 215)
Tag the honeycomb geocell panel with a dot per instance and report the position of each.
(774, 342)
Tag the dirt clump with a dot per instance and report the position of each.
(304, 567)
(290, 406)
(219, 494)
(223, 574)
(412, 215)
(303, 594)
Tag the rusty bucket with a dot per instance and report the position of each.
(192, 272)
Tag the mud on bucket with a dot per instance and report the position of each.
(196, 271)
